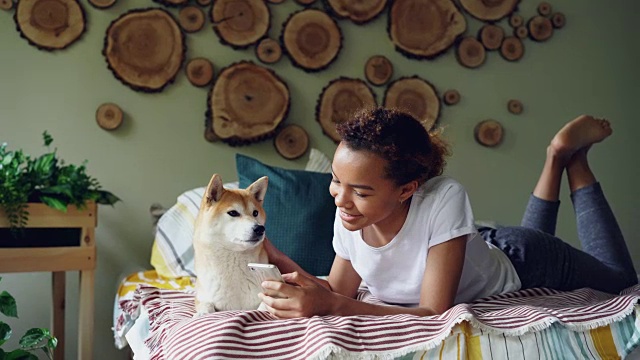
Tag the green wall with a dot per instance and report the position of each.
(590, 66)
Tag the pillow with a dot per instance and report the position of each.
(300, 212)
(172, 251)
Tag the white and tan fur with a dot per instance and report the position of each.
(229, 234)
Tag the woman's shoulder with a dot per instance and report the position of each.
(441, 183)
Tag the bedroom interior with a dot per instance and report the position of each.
(151, 143)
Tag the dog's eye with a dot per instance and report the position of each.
(255, 213)
(233, 213)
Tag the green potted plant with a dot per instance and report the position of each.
(33, 340)
(44, 179)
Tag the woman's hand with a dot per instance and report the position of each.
(301, 296)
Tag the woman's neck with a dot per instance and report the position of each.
(382, 232)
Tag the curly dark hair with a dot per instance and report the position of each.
(411, 152)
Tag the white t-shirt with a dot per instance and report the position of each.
(439, 211)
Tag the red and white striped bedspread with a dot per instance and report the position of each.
(174, 334)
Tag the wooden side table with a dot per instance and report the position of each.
(81, 256)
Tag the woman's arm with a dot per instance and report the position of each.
(439, 288)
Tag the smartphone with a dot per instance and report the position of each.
(264, 272)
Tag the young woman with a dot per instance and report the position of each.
(408, 232)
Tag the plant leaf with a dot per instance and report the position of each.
(8, 305)
(33, 337)
(5, 332)
(54, 203)
(20, 355)
(52, 343)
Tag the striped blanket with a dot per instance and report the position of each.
(527, 324)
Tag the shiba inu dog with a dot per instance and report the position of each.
(229, 234)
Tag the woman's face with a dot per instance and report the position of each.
(363, 196)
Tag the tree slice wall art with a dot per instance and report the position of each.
(109, 116)
(269, 51)
(6, 4)
(470, 52)
(291, 142)
(339, 100)
(488, 133)
(246, 104)
(540, 28)
(491, 36)
(489, 10)
(50, 24)
(415, 96)
(199, 71)
(424, 28)
(145, 49)
(360, 12)
(240, 23)
(512, 48)
(312, 39)
(378, 70)
(102, 4)
(191, 18)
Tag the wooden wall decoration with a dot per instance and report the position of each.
(491, 36)
(488, 133)
(489, 10)
(451, 97)
(340, 99)
(312, 39)
(6, 4)
(145, 49)
(359, 12)
(470, 52)
(191, 19)
(417, 97)
(50, 24)
(291, 142)
(240, 23)
(269, 51)
(109, 116)
(102, 4)
(199, 72)
(378, 70)
(246, 104)
(424, 29)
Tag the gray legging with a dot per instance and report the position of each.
(543, 260)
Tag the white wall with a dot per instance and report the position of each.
(588, 67)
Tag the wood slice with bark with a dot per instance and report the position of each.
(6, 4)
(50, 24)
(415, 96)
(359, 12)
(488, 133)
(544, 8)
(172, 3)
(191, 18)
(102, 4)
(204, 3)
(199, 72)
(491, 36)
(540, 28)
(512, 48)
(247, 103)
(516, 20)
(451, 97)
(240, 23)
(291, 142)
(339, 100)
(470, 52)
(144, 49)
(378, 70)
(269, 51)
(305, 2)
(312, 39)
(521, 32)
(515, 106)
(424, 29)
(558, 20)
(109, 116)
(489, 10)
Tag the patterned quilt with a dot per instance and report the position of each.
(527, 324)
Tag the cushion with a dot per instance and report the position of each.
(300, 212)
(172, 252)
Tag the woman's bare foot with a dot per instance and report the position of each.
(580, 133)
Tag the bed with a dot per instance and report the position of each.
(153, 309)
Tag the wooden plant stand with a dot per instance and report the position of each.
(58, 260)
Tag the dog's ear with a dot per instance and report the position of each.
(214, 189)
(259, 188)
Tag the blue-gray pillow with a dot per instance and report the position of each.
(300, 212)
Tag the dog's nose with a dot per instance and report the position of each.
(258, 230)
